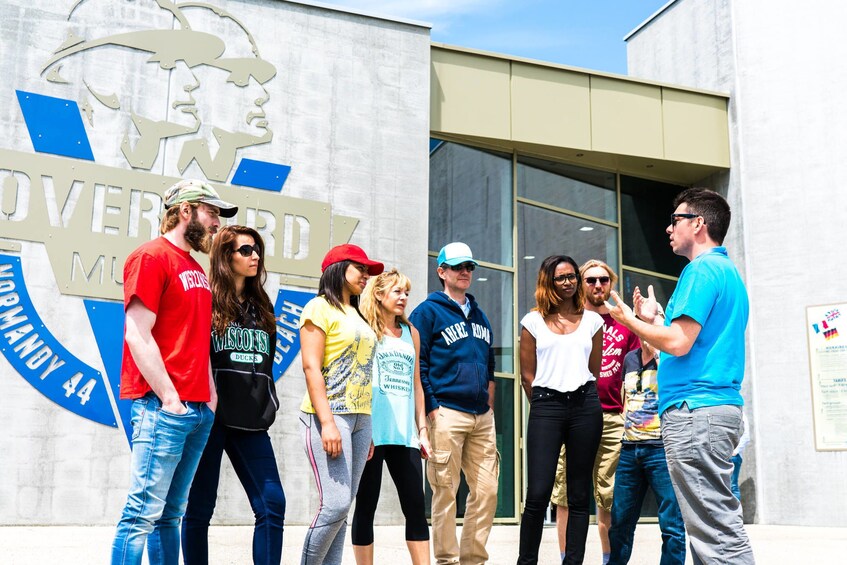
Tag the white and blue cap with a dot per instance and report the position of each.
(455, 253)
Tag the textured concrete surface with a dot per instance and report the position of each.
(773, 545)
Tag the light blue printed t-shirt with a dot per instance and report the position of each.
(711, 292)
(393, 409)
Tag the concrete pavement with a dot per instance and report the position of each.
(76, 545)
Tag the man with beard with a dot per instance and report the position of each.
(599, 279)
(166, 371)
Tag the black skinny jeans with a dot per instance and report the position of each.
(574, 419)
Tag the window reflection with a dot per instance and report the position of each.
(645, 208)
(663, 288)
(504, 421)
(470, 200)
(542, 233)
(564, 186)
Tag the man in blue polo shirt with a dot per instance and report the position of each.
(701, 338)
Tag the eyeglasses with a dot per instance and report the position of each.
(247, 250)
(677, 217)
(469, 267)
(593, 280)
(570, 277)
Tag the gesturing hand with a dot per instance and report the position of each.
(646, 308)
(618, 310)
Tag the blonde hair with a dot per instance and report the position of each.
(370, 304)
(591, 263)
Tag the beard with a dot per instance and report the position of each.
(598, 300)
(197, 235)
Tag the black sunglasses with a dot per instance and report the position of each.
(461, 267)
(247, 250)
(675, 218)
(570, 277)
(593, 280)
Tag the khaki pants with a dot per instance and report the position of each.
(605, 465)
(462, 442)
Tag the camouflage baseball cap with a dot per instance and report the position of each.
(193, 190)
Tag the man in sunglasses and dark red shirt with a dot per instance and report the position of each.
(457, 374)
(598, 279)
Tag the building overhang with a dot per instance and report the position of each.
(599, 120)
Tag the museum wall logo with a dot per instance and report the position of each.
(90, 215)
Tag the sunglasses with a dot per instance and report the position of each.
(247, 250)
(462, 267)
(570, 277)
(675, 218)
(593, 280)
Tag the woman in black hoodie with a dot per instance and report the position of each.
(242, 352)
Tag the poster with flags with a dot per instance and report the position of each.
(828, 370)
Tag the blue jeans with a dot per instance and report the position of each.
(699, 445)
(166, 449)
(252, 457)
(642, 465)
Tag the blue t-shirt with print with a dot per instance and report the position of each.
(711, 292)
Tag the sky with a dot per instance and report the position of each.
(579, 33)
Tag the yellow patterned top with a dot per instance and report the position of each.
(348, 357)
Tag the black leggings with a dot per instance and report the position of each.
(406, 469)
(574, 419)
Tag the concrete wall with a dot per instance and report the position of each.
(349, 110)
(780, 63)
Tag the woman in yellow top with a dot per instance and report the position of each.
(337, 347)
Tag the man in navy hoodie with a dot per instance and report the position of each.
(457, 374)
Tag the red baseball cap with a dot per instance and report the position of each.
(353, 253)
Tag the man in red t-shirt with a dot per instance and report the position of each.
(166, 370)
(598, 279)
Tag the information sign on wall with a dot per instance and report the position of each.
(826, 327)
